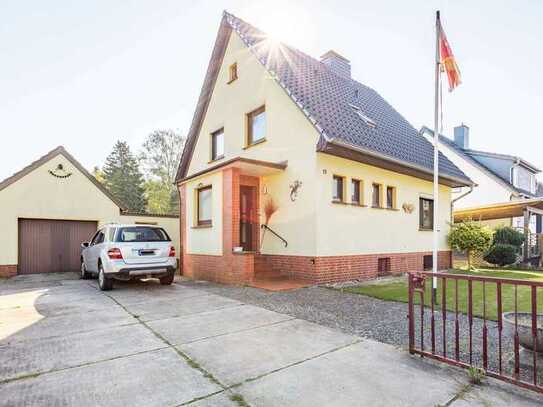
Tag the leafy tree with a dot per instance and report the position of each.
(123, 177)
(98, 174)
(158, 197)
(160, 156)
(470, 237)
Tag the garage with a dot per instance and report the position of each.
(49, 246)
(49, 207)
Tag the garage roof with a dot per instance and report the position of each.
(49, 156)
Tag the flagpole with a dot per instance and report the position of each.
(436, 163)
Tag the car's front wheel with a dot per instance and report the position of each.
(167, 280)
(85, 275)
(104, 283)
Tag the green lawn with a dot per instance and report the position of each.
(397, 291)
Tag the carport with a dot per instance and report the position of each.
(523, 208)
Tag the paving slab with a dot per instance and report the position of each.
(159, 378)
(51, 303)
(26, 323)
(175, 307)
(252, 353)
(42, 299)
(364, 374)
(41, 355)
(191, 328)
(217, 400)
(138, 292)
(486, 395)
(29, 281)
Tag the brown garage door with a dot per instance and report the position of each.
(47, 246)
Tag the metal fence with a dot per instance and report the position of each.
(483, 322)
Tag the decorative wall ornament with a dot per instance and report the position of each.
(408, 207)
(60, 172)
(294, 189)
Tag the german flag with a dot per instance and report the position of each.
(448, 63)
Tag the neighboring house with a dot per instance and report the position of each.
(499, 177)
(53, 205)
(351, 178)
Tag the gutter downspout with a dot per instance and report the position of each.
(458, 198)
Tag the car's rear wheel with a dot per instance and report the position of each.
(104, 283)
(167, 280)
(85, 275)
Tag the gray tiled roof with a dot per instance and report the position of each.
(326, 97)
(468, 157)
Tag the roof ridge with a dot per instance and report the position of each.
(474, 151)
(50, 155)
(28, 168)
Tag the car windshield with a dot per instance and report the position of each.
(141, 234)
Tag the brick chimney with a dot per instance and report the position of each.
(461, 136)
(338, 64)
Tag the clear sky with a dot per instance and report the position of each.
(87, 73)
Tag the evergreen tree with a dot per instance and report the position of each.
(123, 177)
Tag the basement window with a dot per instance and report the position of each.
(383, 266)
(427, 262)
(364, 117)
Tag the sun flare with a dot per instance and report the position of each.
(294, 28)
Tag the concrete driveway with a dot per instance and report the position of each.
(63, 342)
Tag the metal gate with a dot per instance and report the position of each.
(458, 329)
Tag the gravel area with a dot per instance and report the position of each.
(383, 321)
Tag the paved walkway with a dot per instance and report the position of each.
(63, 342)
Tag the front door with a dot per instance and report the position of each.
(247, 217)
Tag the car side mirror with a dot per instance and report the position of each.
(84, 245)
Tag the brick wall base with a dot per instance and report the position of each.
(8, 270)
(230, 269)
(331, 269)
(241, 268)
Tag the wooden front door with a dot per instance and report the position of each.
(247, 217)
(47, 246)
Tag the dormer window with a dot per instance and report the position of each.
(364, 117)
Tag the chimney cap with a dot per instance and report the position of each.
(333, 54)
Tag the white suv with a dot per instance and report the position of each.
(125, 252)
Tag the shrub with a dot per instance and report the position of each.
(476, 375)
(502, 254)
(508, 235)
(470, 237)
